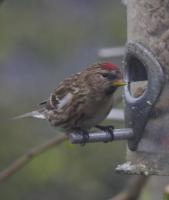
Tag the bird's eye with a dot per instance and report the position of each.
(109, 76)
(105, 75)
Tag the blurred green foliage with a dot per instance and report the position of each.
(41, 42)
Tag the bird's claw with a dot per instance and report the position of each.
(85, 137)
(109, 129)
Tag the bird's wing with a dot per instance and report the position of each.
(63, 94)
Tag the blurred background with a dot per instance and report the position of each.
(42, 42)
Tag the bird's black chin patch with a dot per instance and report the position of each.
(110, 90)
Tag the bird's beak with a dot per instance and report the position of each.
(118, 83)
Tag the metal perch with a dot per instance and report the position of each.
(117, 134)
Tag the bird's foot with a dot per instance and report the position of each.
(85, 136)
(108, 129)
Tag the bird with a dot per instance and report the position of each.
(81, 101)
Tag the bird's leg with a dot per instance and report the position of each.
(109, 129)
(105, 128)
(85, 136)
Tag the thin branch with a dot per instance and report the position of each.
(28, 156)
(133, 190)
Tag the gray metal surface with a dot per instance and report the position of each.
(118, 134)
(140, 64)
(147, 114)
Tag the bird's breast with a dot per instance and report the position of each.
(97, 112)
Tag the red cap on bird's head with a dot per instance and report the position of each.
(108, 66)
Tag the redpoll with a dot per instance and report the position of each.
(83, 100)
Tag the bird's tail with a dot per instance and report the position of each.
(35, 114)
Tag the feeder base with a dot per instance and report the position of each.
(143, 163)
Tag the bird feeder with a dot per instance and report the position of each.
(148, 150)
(146, 67)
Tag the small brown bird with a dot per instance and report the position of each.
(83, 100)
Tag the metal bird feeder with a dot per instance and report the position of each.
(142, 68)
(148, 151)
(147, 108)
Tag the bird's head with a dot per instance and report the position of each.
(105, 76)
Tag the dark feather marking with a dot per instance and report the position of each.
(110, 90)
(42, 103)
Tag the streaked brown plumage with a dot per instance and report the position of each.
(83, 100)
